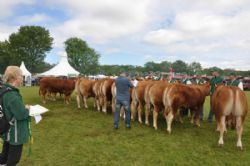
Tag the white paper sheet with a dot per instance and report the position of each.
(38, 118)
(37, 110)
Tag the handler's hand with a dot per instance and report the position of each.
(27, 106)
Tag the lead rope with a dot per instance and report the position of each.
(30, 140)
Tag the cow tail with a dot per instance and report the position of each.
(234, 98)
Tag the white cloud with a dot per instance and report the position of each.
(101, 21)
(5, 31)
(33, 19)
(6, 7)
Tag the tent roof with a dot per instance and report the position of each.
(63, 68)
(24, 70)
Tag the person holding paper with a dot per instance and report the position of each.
(17, 114)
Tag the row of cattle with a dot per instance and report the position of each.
(226, 102)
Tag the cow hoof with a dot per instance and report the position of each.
(147, 123)
(240, 147)
(155, 128)
(220, 143)
(140, 121)
(169, 131)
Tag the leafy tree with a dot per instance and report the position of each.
(165, 65)
(210, 70)
(194, 68)
(5, 57)
(180, 67)
(30, 44)
(81, 56)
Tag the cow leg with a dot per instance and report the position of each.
(133, 113)
(222, 129)
(155, 115)
(139, 113)
(180, 117)
(113, 105)
(98, 104)
(193, 115)
(104, 106)
(147, 114)
(169, 120)
(197, 118)
(94, 103)
(53, 95)
(85, 101)
(66, 99)
(44, 100)
(78, 101)
(43, 92)
(239, 128)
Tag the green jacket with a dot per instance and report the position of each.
(14, 109)
(213, 82)
(233, 83)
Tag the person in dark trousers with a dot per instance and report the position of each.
(18, 114)
(217, 79)
(122, 99)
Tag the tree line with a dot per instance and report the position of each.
(31, 44)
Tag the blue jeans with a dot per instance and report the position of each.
(118, 105)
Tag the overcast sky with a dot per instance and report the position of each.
(212, 32)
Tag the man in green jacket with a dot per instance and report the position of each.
(217, 79)
(17, 114)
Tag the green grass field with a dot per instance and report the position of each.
(71, 136)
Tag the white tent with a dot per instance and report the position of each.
(63, 68)
(26, 75)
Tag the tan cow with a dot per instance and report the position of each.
(84, 90)
(138, 101)
(105, 93)
(154, 98)
(228, 100)
(178, 96)
(97, 93)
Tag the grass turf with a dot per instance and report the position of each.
(71, 136)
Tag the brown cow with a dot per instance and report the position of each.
(205, 90)
(105, 93)
(97, 92)
(228, 100)
(154, 98)
(138, 102)
(84, 90)
(178, 96)
(56, 85)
